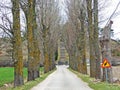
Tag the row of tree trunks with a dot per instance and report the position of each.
(49, 61)
(80, 55)
(17, 45)
(48, 21)
(33, 48)
(76, 23)
(29, 8)
(93, 38)
(49, 52)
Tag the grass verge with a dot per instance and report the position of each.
(7, 75)
(96, 85)
(30, 84)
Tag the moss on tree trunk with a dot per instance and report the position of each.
(17, 45)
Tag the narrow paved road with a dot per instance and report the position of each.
(62, 79)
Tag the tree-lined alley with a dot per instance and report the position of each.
(39, 23)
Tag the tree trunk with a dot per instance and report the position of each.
(46, 52)
(46, 63)
(37, 59)
(36, 46)
(30, 15)
(83, 44)
(96, 43)
(17, 45)
(30, 40)
(52, 59)
(91, 39)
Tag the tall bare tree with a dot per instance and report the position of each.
(77, 15)
(91, 38)
(97, 43)
(30, 30)
(95, 70)
(48, 19)
(17, 44)
(36, 44)
(29, 9)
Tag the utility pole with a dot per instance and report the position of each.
(106, 51)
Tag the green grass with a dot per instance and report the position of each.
(7, 75)
(29, 85)
(96, 85)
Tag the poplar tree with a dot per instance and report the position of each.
(17, 45)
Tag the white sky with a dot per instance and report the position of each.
(106, 13)
(6, 10)
(116, 19)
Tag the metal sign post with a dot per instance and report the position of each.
(106, 75)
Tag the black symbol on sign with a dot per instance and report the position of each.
(105, 64)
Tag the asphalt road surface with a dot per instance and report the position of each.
(62, 79)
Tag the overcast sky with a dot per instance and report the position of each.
(106, 13)
(116, 19)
